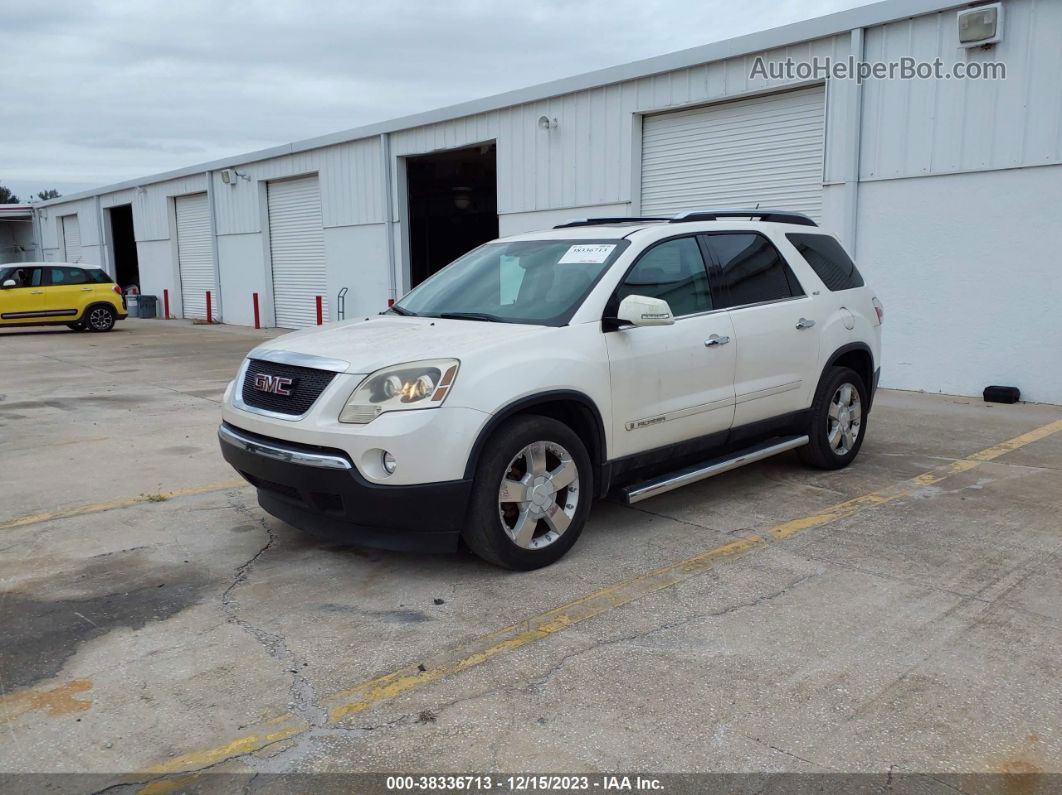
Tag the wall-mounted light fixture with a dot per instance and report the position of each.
(980, 26)
(547, 123)
(140, 190)
(230, 175)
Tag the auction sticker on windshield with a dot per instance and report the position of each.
(587, 254)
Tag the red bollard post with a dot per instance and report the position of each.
(390, 301)
(210, 314)
(320, 311)
(166, 304)
(254, 297)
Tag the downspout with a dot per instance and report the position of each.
(214, 242)
(855, 138)
(389, 231)
(99, 231)
(38, 236)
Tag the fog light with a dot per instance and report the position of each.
(389, 463)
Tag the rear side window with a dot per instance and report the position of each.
(752, 269)
(99, 277)
(829, 260)
(674, 271)
(61, 276)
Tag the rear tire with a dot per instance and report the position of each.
(838, 420)
(531, 495)
(100, 318)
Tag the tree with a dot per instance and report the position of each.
(51, 193)
(7, 197)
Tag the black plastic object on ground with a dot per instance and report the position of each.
(147, 305)
(1002, 394)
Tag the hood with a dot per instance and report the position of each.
(367, 345)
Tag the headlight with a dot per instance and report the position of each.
(416, 385)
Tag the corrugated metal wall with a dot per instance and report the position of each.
(921, 127)
(592, 157)
(587, 158)
(351, 178)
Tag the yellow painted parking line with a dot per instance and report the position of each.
(127, 502)
(906, 488)
(388, 686)
(289, 726)
(432, 669)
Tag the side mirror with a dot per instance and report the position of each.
(9, 283)
(641, 310)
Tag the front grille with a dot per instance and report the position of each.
(306, 386)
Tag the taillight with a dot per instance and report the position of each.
(880, 311)
(117, 290)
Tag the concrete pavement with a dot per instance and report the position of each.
(154, 634)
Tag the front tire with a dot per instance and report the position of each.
(79, 326)
(531, 495)
(100, 318)
(838, 420)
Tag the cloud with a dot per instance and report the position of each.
(106, 91)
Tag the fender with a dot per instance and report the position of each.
(849, 348)
(118, 312)
(595, 445)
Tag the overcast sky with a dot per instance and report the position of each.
(98, 92)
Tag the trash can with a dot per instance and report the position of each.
(146, 305)
(132, 305)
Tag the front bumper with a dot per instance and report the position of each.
(319, 490)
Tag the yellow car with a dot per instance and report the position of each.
(59, 294)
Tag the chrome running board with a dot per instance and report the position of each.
(637, 492)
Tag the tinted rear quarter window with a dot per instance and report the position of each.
(98, 276)
(61, 276)
(752, 269)
(829, 260)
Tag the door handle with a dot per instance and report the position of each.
(37, 292)
(804, 323)
(715, 341)
(86, 289)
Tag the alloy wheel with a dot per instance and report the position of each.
(538, 495)
(100, 319)
(844, 419)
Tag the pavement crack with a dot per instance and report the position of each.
(669, 518)
(775, 748)
(303, 699)
(553, 670)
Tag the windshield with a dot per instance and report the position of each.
(539, 282)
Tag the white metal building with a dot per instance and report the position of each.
(17, 241)
(947, 191)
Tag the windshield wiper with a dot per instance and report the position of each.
(398, 310)
(470, 316)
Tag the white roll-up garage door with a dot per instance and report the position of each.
(195, 255)
(766, 150)
(296, 240)
(71, 239)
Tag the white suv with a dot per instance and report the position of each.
(623, 356)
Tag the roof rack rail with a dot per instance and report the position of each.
(772, 216)
(596, 221)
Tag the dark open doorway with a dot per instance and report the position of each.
(123, 242)
(453, 206)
